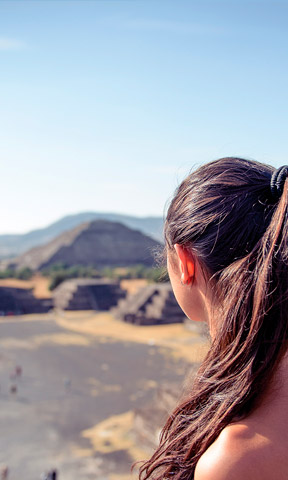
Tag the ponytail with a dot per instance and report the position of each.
(249, 278)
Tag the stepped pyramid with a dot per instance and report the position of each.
(87, 294)
(98, 244)
(154, 304)
(18, 301)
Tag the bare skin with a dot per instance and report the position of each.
(255, 448)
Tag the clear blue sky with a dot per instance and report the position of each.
(106, 105)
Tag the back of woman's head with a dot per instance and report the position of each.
(221, 211)
(226, 215)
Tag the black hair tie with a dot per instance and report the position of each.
(277, 181)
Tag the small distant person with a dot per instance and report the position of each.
(67, 383)
(52, 475)
(4, 473)
(13, 389)
(18, 371)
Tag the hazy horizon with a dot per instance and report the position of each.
(79, 213)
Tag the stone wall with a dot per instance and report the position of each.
(20, 301)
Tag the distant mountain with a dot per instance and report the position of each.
(99, 243)
(13, 245)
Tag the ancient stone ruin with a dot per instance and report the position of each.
(20, 301)
(97, 244)
(154, 304)
(87, 294)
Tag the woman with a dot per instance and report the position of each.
(227, 252)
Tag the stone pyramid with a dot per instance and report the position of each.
(98, 244)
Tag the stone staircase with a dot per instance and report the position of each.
(153, 304)
(87, 294)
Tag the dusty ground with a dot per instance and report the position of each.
(83, 375)
(133, 285)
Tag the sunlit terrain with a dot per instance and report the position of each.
(85, 377)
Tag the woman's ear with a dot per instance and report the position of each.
(186, 264)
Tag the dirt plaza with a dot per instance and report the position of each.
(81, 378)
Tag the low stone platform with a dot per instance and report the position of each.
(87, 294)
(19, 301)
(154, 304)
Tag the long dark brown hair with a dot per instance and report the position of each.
(225, 213)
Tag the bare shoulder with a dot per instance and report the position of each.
(236, 454)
